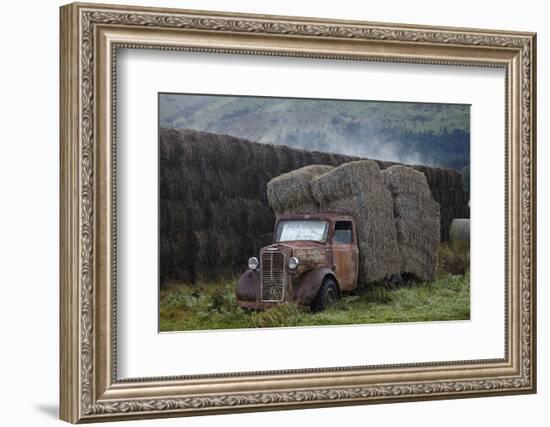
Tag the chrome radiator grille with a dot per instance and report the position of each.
(273, 276)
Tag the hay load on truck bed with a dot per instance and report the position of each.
(338, 227)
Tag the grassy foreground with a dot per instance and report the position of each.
(206, 306)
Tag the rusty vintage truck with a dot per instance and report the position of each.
(313, 259)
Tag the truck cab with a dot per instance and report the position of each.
(313, 259)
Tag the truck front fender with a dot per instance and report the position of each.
(308, 287)
(248, 287)
(248, 292)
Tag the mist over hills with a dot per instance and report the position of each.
(413, 133)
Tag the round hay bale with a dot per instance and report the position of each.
(460, 230)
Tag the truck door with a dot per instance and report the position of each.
(345, 254)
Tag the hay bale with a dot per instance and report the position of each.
(291, 192)
(447, 190)
(460, 231)
(416, 218)
(357, 189)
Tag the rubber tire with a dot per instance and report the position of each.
(328, 295)
(396, 281)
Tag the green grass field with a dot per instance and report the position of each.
(205, 306)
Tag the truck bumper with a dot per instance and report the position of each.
(255, 305)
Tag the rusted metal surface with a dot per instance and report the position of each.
(249, 292)
(248, 287)
(273, 282)
(345, 260)
(306, 289)
(273, 274)
(344, 266)
(310, 256)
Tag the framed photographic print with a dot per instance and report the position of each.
(266, 212)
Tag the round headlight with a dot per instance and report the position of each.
(293, 263)
(253, 263)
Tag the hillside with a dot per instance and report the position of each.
(411, 133)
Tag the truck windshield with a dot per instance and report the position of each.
(302, 229)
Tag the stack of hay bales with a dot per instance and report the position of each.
(214, 210)
(447, 189)
(291, 192)
(355, 188)
(396, 217)
(416, 218)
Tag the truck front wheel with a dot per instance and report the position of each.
(327, 296)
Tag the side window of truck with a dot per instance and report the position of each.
(343, 232)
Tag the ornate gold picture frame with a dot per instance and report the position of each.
(91, 34)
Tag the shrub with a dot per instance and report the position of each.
(453, 259)
(221, 299)
(379, 295)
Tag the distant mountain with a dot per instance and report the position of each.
(414, 133)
